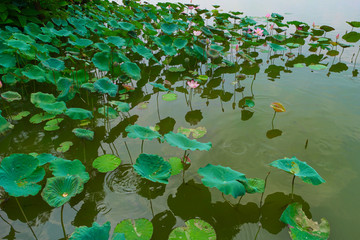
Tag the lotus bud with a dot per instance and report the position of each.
(337, 36)
(313, 24)
(237, 47)
(268, 15)
(207, 41)
(1, 84)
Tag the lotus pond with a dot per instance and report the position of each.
(171, 121)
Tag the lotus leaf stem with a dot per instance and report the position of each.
(142, 146)
(262, 194)
(272, 122)
(129, 153)
(227, 200)
(23, 213)
(62, 222)
(292, 187)
(240, 199)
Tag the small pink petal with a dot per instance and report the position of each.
(337, 36)
(1, 84)
(197, 33)
(268, 15)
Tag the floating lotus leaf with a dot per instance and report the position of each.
(196, 132)
(45, 158)
(181, 141)
(195, 229)
(136, 131)
(19, 174)
(121, 106)
(303, 228)
(132, 70)
(108, 112)
(159, 86)
(79, 113)
(225, 179)
(106, 86)
(298, 168)
(299, 65)
(138, 229)
(96, 232)
(63, 167)
(176, 165)
(39, 97)
(20, 115)
(106, 163)
(41, 117)
(35, 73)
(55, 121)
(54, 64)
(101, 60)
(169, 97)
(176, 69)
(169, 28)
(317, 67)
(64, 146)
(51, 128)
(153, 167)
(59, 190)
(11, 96)
(7, 60)
(83, 133)
(53, 108)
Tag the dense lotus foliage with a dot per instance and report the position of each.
(96, 62)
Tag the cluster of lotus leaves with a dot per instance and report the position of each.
(181, 141)
(195, 229)
(144, 133)
(298, 168)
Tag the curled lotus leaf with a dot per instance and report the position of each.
(96, 232)
(78, 113)
(59, 190)
(159, 86)
(195, 229)
(303, 228)
(11, 96)
(227, 180)
(138, 229)
(176, 165)
(278, 107)
(106, 163)
(181, 141)
(106, 86)
(19, 175)
(153, 168)
(83, 133)
(298, 168)
(136, 131)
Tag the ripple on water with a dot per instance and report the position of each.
(122, 180)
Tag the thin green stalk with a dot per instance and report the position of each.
(262, 194)
(292, 187)
(240, 199)
(142, 146)
(272, 122)
(157, 104)
(128, 153)
(23, 213)
(62, 222)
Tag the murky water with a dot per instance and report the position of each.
(320, 126)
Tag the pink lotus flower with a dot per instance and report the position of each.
(259, 32)
(198, 7)
(299, 28)
(193, 84)
(313, 24)
(268, 15)
(191, 7)
(0, 84)
(207, 41)
(249, 30)
(197, 33)
(271, 26)
(168, 6)
(337, 36)
(128, 87)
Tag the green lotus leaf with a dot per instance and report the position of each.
(176, 69)
(143, 51)
(18, 44)
(217, 47)
(250, 103)
(41, 117)
(180, 43)
(354, 24)
(195, 229)
(121, 106)
(35, 73)
(117, 41)
(176, 165)
(181, 141)
(81, 42)
(63, 167)
(225, 179)
(108, 112)
(106, 86)
(196, 132)
(64, 146)
(4, 124)
(102, 46)
(83, 133)
(106, 163)
(317, 67)
(159, 86)
(32, 29)
(88, 86)
(59, 190)
(254, 185)
(51, 128)
(20, 115)
(138, 229)
(136, 131)
(101, 60)
(169, 97)
(303, 228)
(96, 232)
(298, 168)
(203, 77)
(45, 158)
(7, 60)
(118, 236)
(78, 113)
(169, 28)
(131, 69)
(39, 97)
(299, 65)
(153, 168)
(351, 37)
(54, 64)
(11, 96)
(53, 108)
(19, 174)
(275, 47)
(67, 88)
(126, 26)
(169, 50)
(54, 122)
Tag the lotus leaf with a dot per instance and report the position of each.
(196, 132)
(106, 163)
(136, 131)
(275, 47)
(18, 44)
(225, 179)
(68, 90)
(298, 168)
(106, 86)
(19, 174)
(159, 86)
(101, 60)
(176, 165)
(317, 67)
(4, 124)
(108, 112)
(35, 73)
(117, 41)
(64, 146)
(131, 69)
(195, 229)
(181, 141)
(41, 117)
(11, 96)
(7, 60)
(121, 106)
(54, 64)
(254, 185)
(303, 228)
(50, 128)
(39, 97)
(88, 86)
(138, 229)
(59, 190)
(176, 69)
(96, 232)
(54, 122)
(81, 42)
(169, 28)
(169, 97)
(78, 113)
(83, 133)
(180, 43)
(45, 158)
(63, 167)
(351, 37)
(250, 103)
(53, 108)
(153, 167)
(21, 115)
